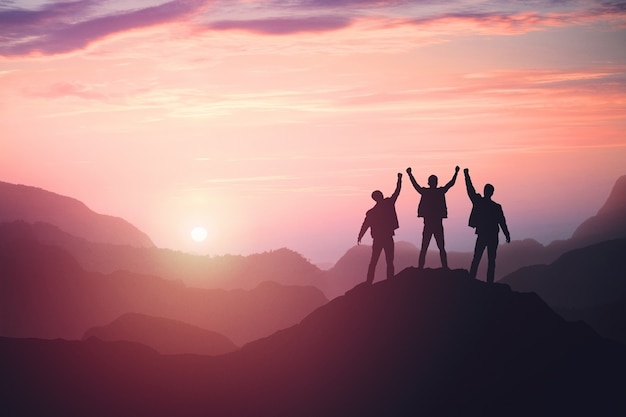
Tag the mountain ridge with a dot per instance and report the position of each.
(166, 336)
(427, 342)
(23, 202)
(291, 268)
(201, 271)
(46, 293)
(587, 284)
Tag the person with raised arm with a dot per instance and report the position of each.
(432, 207)
(487, 218)
(382, 221)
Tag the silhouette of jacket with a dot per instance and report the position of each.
(382, 219)
(433, 203)
(487, 216)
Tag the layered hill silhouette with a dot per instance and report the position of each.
(608, 223)
(585, 284)
(47, 294)
(225, 271)
(163, 335)
(429, 342)
(283, 265)
(31, 204)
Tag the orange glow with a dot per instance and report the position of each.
(278, 139)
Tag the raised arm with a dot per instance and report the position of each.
(471, 191)
(453, 180)
(415, 184)
(396, 193)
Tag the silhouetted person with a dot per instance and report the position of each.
(433, 209)
(383, 221)
(487, 217)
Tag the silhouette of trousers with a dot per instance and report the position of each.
(482, 242)
(433, 228)
(378, 245)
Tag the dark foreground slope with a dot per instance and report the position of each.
(432, 343)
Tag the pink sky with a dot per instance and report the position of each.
(270, 123)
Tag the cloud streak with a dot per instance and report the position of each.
(66, 27)
(65, 89)
(524, 21)
(284, 25)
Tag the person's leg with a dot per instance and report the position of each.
(441, 244)
(426, 235)
(377, 247)
(492, 249)
(478, 253)
(389, 254)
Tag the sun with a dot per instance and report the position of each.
(199, 234)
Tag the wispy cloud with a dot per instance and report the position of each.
(64, 27)
(284, 25)
(517, 22)
(501, 83)
(65, 89)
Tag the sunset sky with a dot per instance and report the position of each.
(270, 123)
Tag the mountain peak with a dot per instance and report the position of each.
(32, 204)
(609, 222)
(431, 342)
(617, 198)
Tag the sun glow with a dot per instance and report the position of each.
(199, 234)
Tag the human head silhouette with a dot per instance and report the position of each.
(377, 196)
(432, 181)
(488, 190)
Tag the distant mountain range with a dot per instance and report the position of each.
(430, 342)
(47, 294)
(163, 335)
(225, 271)
(583, 284)
(282, 265)
(582, 277)
(31, 204)
(46, 271)
(160, 338)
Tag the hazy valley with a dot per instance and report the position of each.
(89, 312)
